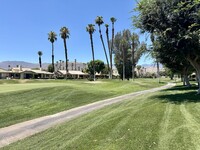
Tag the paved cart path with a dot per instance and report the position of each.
(22, 130)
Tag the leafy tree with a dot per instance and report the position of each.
(90, 29)
(40, 60)
(99, 66)
(174, 61)
(52, 37)
(50, 68)
(177, 22)
(99, 21)
(64, 33)
(135, 43)
(124, 52)
(138, 69)
(113, 20)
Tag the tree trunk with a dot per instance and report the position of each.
(109, 50)
(112, 44)
(101, 37)
(123, 64)
(91, 39)
(158, 70)
(186, 81)
(133, 61)
(52, 57)
(40, 62)
(196, 65)
(185, 76)
(66, 58)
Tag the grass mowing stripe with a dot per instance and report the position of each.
(55, 96)
(192, 125)
(152, 121)
(164, 139)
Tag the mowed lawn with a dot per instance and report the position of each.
(22, 100)
(166, 120)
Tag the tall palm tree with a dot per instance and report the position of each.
(64, 33)
(90, 29)
(52, 37)
(40, 59)
(113, 20)
(99, 22)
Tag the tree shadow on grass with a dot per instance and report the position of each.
(182, 88)
(179, 95)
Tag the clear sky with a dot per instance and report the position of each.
(25, 25)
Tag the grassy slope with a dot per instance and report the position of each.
(25, 101)
(167, 120)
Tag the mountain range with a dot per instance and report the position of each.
(5, 64)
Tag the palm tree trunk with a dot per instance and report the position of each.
(52, 57)
(112, 50)
(108, 42)
(66, 58)
(91, 39)
(101, 37)
(40, 62)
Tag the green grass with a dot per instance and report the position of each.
(166, 120)
(22, 100)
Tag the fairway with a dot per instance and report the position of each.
(22, 100)
(166, 120)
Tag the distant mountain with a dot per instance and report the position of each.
(4, 64)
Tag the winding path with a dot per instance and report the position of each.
(22, 130)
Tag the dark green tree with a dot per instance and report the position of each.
(50, 68)
(99, 66)
(124, 50)
(177, 22)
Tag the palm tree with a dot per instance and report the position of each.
(40, 60)
(64, 33)
(99, 22)
(52, 37)
(113, 20)
(90, 29)
(107, 36)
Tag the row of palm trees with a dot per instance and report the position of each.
(91, 29)
(52, 37)
(64, 34)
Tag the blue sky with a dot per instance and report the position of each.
(25, 25)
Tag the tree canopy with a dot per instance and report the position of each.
(123, 44)
(99, 66)
(174, 22)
